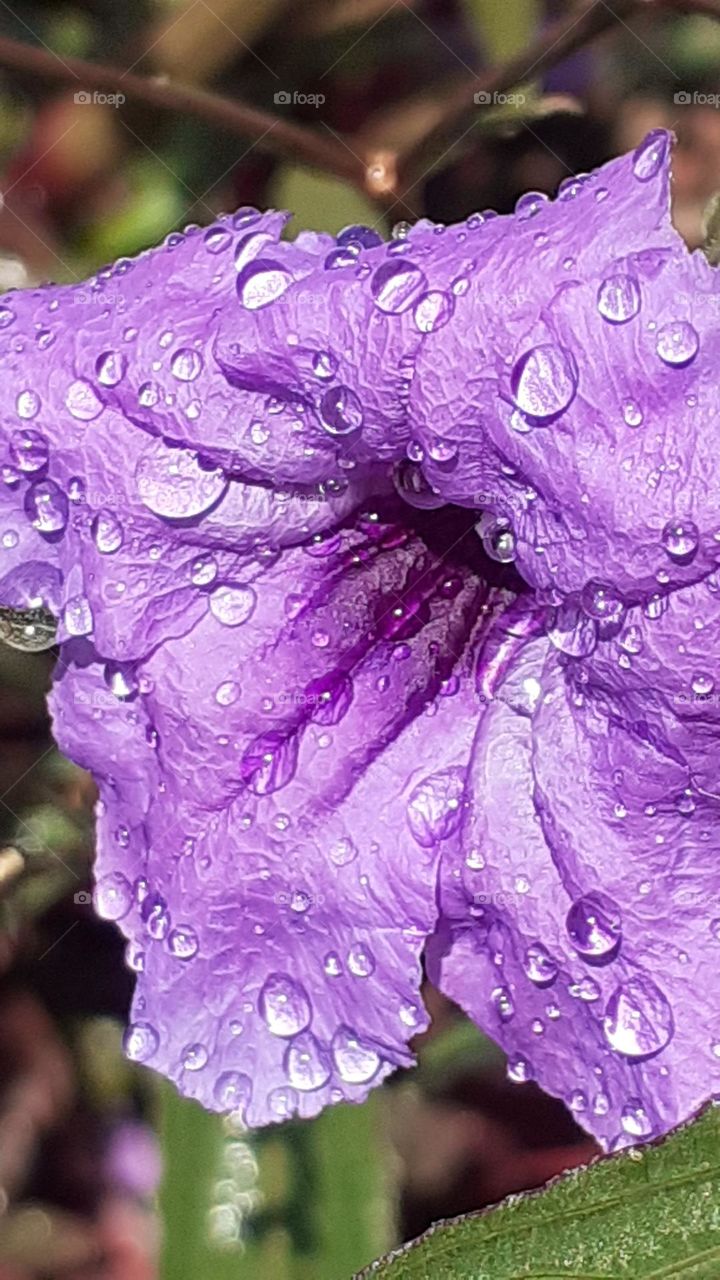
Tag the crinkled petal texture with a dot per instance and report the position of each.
(326, 724)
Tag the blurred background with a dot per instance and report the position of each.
(104, 1173)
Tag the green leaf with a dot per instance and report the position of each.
(505, 28)
(649, 1213)
(320, 202)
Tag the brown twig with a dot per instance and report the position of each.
(379, 173)
(280, 137)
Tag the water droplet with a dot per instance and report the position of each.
(396, 285)
(441, 449)
(681, 539)
(602, 602)
(544, 381)
(539, 965)
(413, 488)
(307, 1065)
(702, 684)
(361, 960)
(110, 368)
(270, 762)
(638, 1021)
(113, 896)
(677, 343)
(433, 310)
(341, 411)
(46, 507)
(355, 1060)
(29, 450)
(650, 155)
(283, 1103)
(572, 632)
(518, 1069)
(232, 1091)
(497, 538)
(503, 1002)
(635, 1120)
(585, 989)
(121, 679)
(594, 925)
(203, 571)
(194, 1057)
(173, 484)
(140, 1041)
(233, 605)
(618, 298)
(149, 394)
(183, 942)
(227, 693)
(107, 532)
(343, 852)
(82, 401)
(186, 365)
(261, 282)
(632, 413)
(434, 808)
(78, 616)
(217, 240)
(28, 404)
(284, 1005)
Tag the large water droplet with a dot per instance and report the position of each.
(618, 298)
(194, 1056)
(261, 282)
(307, 1064)
(539, 965)
(140, 1041)
(650, 155)
(29, 450)
(186, 365)
(232, 1091)
(110, 368)
(233, 605)
(572, 632)
(113, 896)
(82, 401)
(503, 1003)
(361, 960)
(413, 488)
(183, 942)
(396, 285)
(78, 616)
(46, 507)
(28, 404)
(677, 343)
(356, 1061)
(635, 1120)
(433, 310)
(341, 411)
(638, 1020)
(681, 539)
(284, 1005)
(270, 762)
(107, 532)
(28, 630)
(173, 484)
(544, 381)
(603, 602)
(594, 925)
(434, 808)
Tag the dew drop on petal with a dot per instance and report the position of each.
(539, 965)
(82, 401)
(395, 286)
(46, 507)
(638, 1021)
(649, 157)
(186, 365)
(194, 1056)
(261, 282)
(361, 961)
(635, 1120)
(28, 450)
(173, 484)
(434, 807)
(677, 343)
(618, 298)
(572, 632)
(544, 381)
(433, 310)
(681, 539)
(28, 404)
(232, 1091)
(78, 616)
(140, 1041)
(113, 896)
(183, 942)
(355, 1061)
(594, 925)
(413, 488)
(282, 1103)
(233, 605)
(341, 411)
(107, 532)
(110, 368)
(306, 1062)
(503, 1003)
(284, 1005)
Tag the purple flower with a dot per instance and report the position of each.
(388, 617)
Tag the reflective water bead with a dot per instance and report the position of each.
(113, 896)
(110, 368)
(412, 486)
(29, 450)
(227, 693)
(284, 1005)
(594, 925)
(306, 1063)
(82, 402)
(361, 960)
(395, 286)
(503, 1002)
(261, 282)
(78, 616)
(341, 411)
(232, 1091)
(28, 404)
(433, 310)
(634, 1119)
(618, 298)
(233, 605)
(572, 631)
(434, 807)
(194, 1057)
(539, 965)
(681, 538)
(203, 571)
(632, 413)
(186, 364)
(140, 1041)
(544, 380)
(107, 532)
(355, 1060)
(677, 343)
(173, 483)
(638, 1021)
(183, 942)
(650, 155)
(46, 506)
